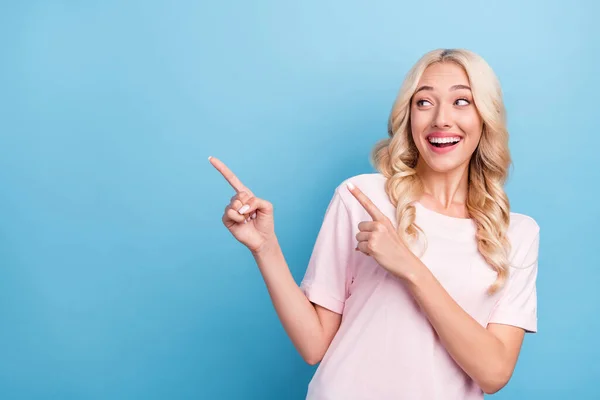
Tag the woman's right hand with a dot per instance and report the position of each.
(248, 218)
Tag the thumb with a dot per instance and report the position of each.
(256, 207)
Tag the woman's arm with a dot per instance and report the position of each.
(310, 327)
(489, 355)
(250, 220)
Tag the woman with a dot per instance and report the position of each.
(421, 283)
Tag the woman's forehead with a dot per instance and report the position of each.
(444, 76)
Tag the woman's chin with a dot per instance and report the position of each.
(442, 166)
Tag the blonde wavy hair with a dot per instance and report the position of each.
(487, 203)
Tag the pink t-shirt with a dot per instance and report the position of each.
(385, 347)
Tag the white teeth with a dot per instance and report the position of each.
(444, 140)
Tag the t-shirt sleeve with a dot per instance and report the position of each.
(518, 304)
(327, 278)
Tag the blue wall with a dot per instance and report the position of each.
(117, 278)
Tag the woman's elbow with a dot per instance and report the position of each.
(313, 356)
(492, 387)
(496, 381)
(312, 360)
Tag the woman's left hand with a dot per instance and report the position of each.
(378, 238)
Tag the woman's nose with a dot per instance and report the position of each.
(442, 118)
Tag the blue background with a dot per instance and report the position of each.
(117, 278)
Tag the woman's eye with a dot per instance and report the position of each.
(420, 102)
(466, 102)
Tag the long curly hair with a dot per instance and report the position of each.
(487, 203)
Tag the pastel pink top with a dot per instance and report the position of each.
(385, 347)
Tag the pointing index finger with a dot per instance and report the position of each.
(229, 176)
(367, 204)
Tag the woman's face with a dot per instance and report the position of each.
(445, 125)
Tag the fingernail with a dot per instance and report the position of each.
(253, 216)
(350, 185)
(244, 209)
(209, 157)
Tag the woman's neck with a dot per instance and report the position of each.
(444, 191)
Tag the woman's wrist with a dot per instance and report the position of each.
(413, 271)
(269, 246)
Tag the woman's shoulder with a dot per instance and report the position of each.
(524, 235)
(371, 184)
(522, 224)
(374, 181)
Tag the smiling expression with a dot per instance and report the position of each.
(445, 124)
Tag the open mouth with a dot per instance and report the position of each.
(444, 142)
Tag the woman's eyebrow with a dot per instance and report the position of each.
(455, 87)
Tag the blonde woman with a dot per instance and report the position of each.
(422, 282)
